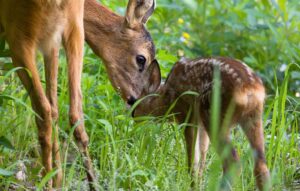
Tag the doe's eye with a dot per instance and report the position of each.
(141, 60)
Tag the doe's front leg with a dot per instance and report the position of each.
(51, 69)
(23, 55)
(73, 43)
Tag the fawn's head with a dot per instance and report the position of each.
(151, 85)
(127, 48)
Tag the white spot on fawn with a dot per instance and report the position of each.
(226, 68)
(204, 61)
(248, 69)
(222, 65)
(230, 71)
(234, 75)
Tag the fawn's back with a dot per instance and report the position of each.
(240, 86)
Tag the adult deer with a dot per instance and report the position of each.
(242, 96)
(122, 42)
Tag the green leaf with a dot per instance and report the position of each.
(6, 143)
(4, 172)
(19, 101)
(163, 55)
(46, 178)
(139, 173)
(4, 53)
(266, 3)
(191, 4)
(282, 6)
(107, 125)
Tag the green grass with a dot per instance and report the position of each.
(144, 155)
(150, 155)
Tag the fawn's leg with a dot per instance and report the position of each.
(51, 69)
(23, 55)
(196, 148)
(197, 143)
(227, 152)
(254, 131)
(203, 144)
(229, 157)
(191, 134)
(193, 151)
(73, 42)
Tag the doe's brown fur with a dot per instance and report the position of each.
(43, 24)
(28, 25)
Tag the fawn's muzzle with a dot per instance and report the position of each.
(131, 100)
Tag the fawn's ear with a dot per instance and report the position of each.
(138, 12)
(154, 76)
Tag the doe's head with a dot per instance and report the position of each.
(129, 50)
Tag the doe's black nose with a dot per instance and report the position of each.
(131, 100)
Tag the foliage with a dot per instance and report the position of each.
(149, 155)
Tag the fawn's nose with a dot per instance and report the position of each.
(131, 100)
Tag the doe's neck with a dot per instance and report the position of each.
(100, 24)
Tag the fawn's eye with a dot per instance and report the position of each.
(141, 60)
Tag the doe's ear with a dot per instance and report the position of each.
(138, 12)
(154, 76)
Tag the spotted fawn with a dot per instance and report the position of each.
(242, 95)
